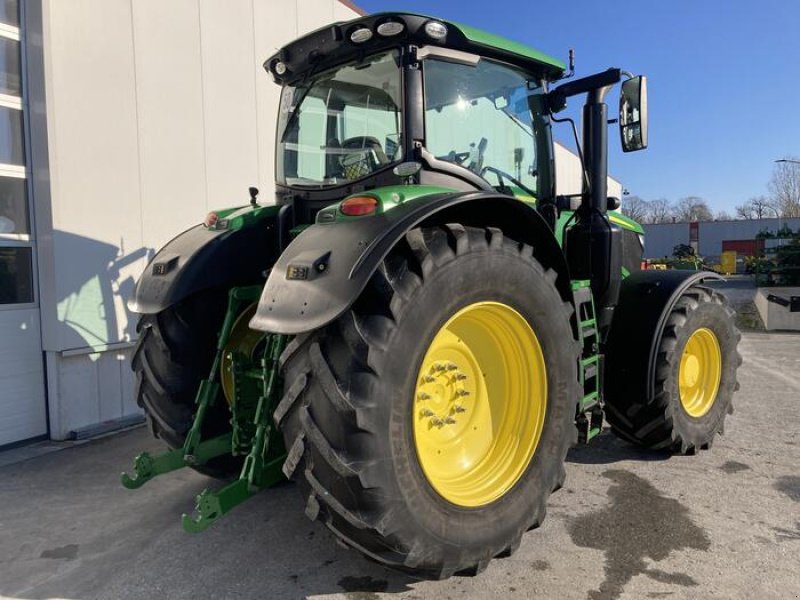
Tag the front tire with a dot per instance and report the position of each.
(695, 378)
(351, 409)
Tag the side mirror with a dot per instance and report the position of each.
(633, 114)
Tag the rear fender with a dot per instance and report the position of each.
(645, 302)
(325, 269)
(201, 258)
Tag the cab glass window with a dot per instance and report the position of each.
(478, 117)
(342, 126)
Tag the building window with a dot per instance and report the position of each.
(12, 148)
(14, 205)
(10, 67)
(9, 12)
(16, 230)
(16, 275)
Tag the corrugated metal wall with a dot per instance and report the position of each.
(660, 239)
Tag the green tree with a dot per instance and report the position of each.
(788, 259)
(683, 251)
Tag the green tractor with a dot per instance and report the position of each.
(419, 328)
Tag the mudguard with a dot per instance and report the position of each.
(645, 302)
(202, 258)
(325, 269)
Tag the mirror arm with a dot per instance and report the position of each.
(588, 84)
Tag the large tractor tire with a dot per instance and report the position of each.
(428, 425)
(695, 378)
(174, 353)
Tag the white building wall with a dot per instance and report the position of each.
(151, 113)
(569, 174)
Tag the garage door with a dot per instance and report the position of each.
(22, 403)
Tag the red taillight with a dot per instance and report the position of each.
(211, 219)
(358, 206)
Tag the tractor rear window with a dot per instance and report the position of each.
(478, 117)
(342, 126)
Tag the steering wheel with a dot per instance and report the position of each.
(502, 175)
(468, 159)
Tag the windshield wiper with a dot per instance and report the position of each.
(517, 122)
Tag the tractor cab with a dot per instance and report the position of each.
(397, 88)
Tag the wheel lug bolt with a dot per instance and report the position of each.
(428, 378)
(424, 396)
(427, 412)
(449, 420)
(436, 422)
(462, 393)
(451, 367)
(459, 409)
(439, 367)
(460, 377)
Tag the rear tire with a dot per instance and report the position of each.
(347, 414)
(174, 353)
(671, 421)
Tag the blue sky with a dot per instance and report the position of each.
(723, 81)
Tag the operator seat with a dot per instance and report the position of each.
(361, 155)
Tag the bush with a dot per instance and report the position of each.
(683, 251)
(788, 260)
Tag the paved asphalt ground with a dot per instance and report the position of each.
(628, 523)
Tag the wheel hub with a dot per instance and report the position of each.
(700, 372)
(243, 340)
(445, 393)
(691, 370)
(479, 404)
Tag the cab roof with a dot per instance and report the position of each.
(331, 45)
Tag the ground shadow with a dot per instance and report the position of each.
(607, 448)
(789, 485)
(129, 544)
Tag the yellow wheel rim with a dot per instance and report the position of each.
(479, 405)
(243, 340)
(700, 372)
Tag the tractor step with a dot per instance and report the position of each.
(589, 424)
(589, 419)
